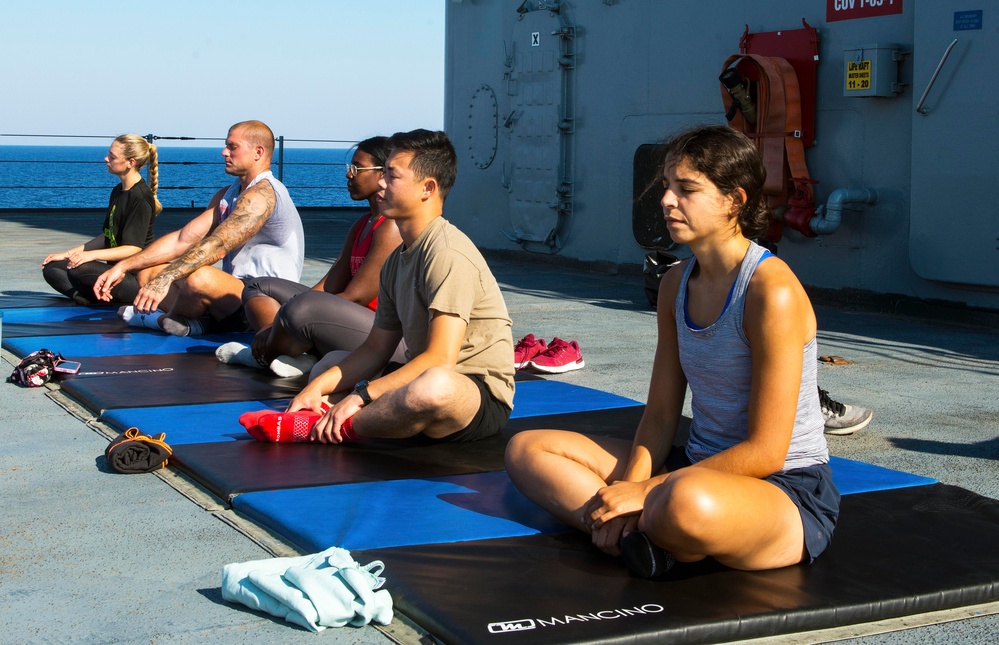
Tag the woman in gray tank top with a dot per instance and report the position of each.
(752, 489)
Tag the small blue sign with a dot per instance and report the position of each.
(967, 20)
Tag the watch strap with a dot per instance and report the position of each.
(361, 389)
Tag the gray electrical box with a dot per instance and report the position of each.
(872, 70)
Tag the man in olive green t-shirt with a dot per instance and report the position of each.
(438, 293)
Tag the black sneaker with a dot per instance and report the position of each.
(643, 558)
(81, 299)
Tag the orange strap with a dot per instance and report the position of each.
(778, 128)
(134, 434)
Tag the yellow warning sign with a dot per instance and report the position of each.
(858, 75)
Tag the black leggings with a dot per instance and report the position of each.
(317, 319)
(78, 283)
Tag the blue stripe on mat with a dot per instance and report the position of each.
(398, 513)
(185, 424)
(86, 345)
(209, 422)
(853, 477)
(59, 314)
(538, 398)
(450, 509)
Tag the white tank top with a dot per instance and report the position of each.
(278, 248)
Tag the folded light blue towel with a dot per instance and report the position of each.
(327, 589)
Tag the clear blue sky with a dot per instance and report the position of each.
(311, 69)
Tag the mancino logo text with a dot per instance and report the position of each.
(524, 624)
(148, 371)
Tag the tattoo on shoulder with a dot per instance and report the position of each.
(253, 208)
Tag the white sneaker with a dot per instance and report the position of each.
(842, 419)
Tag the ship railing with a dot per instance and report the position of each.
(278, 162)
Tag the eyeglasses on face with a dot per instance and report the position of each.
(352, 170)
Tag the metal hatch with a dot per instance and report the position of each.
(538, 121)
(954, 224)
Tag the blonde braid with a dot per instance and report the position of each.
(154, 177)
(136, 147)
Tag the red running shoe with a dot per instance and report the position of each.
(559, 357)
(527, 348)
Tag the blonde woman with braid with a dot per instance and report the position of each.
(128, 227)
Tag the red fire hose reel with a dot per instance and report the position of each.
(769, 94)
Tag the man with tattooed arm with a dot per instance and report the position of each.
(252, 226)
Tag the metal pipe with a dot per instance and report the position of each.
(827, 218)
(933, 79)
(280, 159)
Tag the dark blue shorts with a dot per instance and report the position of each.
(811, 489)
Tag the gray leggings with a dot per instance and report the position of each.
(318, 319)
(277, 288)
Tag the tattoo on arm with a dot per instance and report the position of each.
(253, 209)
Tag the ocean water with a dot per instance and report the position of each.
(76, 177)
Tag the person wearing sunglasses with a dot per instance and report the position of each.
(128, 227)
(297, 324)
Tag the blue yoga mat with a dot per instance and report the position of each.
(852, 477)
(538, 398)
(186, 424)
(450, 509)
(28, 299)
(83, 346)
(398, 513)
(210, 422)
(59, 314)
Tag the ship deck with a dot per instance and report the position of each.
(87, 556)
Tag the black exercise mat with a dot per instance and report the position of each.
(228, 468)
(151, 380)
(61, 328)
(613, 422)
(148, 380)
(231, 467)
(895, 553)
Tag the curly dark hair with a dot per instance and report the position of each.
(378, 147)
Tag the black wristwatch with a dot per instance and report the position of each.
(361, 390)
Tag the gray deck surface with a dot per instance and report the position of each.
(87, 556)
